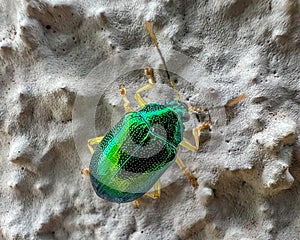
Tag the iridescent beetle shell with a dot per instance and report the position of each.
(137, 151)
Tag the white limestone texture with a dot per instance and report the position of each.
(61, 63)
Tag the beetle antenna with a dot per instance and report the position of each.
(155, 42)
(230, 103)
(236, 100)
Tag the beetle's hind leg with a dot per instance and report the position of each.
(190, 176)
(151, 81)
(125, 99)
(91, 142)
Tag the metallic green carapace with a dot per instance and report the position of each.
(137, 151)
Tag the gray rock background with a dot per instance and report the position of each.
(61, 64)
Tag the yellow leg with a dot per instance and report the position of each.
(190, 176)
(137, 96)
(94, 141)
(125, 99)
(156, 193)
(186, 144)
(234, 101)
(85, 171)
(136, 203)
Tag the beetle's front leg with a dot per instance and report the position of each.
(151, 81)
(125, 99)
(186, 144)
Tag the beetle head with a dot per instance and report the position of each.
(180, 108)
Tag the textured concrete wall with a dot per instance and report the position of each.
(61, 64)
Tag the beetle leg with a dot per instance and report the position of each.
(151, 81)
(153, 195)
(186, 144)
(190, 176)
(125, 99)
(236, 100)
(91, 142)
(85, 171)
(156, 193)
(196, 130)
(94, 141)
(136, 203)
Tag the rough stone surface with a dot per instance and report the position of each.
(58, 57)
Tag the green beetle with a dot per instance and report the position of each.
(137, 151)
(133, 155)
